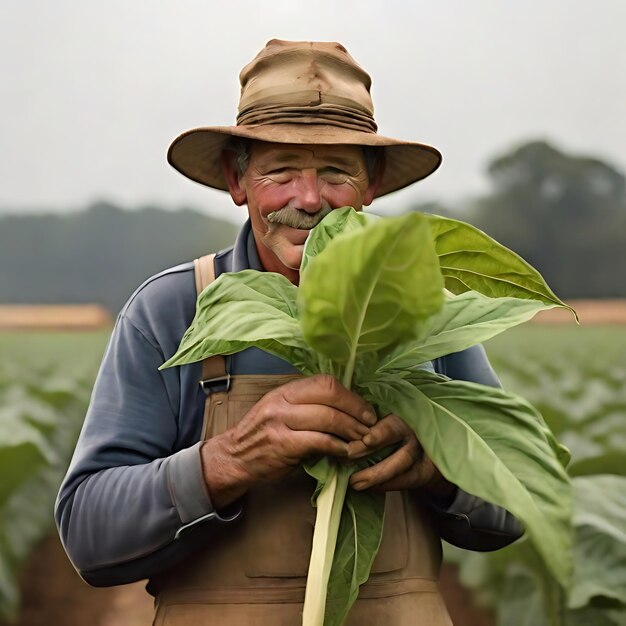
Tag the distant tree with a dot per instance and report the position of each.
(565, 214)
(101, 254)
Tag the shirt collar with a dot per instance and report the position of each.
(245, 255)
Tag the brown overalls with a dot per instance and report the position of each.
(253, 572)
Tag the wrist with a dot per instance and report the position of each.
(439, 491)
(444, 499)
(225, 479)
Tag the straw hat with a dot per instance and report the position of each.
(302, 93)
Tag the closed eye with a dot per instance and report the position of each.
(334, 175)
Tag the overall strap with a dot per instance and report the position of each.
(204, 268)
(214, 375)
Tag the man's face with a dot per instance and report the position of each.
(289, 188)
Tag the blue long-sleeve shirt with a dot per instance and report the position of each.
(134, 490)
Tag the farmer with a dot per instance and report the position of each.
(198, 487)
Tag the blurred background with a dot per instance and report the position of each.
(527, 104)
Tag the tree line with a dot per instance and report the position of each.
(101, 254)
(564, 213)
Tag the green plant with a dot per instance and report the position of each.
(45, 382)
(576, 377)
(371, 309)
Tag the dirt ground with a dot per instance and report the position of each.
(54, 595)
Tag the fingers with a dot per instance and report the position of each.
(328, 391)
(405, 468)
(401, 466)
(325, 419)
(315, 416)
(310, 443)
(386, 432)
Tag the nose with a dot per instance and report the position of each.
(308, 197)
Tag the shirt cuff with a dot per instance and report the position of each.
(187, 486)
(460, 505)
(481, 515)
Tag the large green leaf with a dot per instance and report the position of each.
(370, 288)
(464, 321)
(341, 220)
(515, 577)
(527, 598)
(242, 310)
(23, 449)
(470, 259)
(491, 444)
(18, 463)
(524, 603)
(600, 547)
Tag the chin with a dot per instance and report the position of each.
(292, 257)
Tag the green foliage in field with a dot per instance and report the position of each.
(575, 376)
(45, 383)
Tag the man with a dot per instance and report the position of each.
(204, 494)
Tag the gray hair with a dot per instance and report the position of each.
(240, 147)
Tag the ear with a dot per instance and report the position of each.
(233, 178)
(375, 181)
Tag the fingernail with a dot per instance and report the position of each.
(369, 417)
(369, 440)
(354, 454)
(359, 486)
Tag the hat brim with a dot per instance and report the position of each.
(196, 153)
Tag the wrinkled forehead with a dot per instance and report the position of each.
(297, 155)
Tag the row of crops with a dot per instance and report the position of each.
(575, 376)
(45, 383)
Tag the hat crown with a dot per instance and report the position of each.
(302, 92)
(305, 82)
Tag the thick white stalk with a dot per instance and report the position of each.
(329, 506)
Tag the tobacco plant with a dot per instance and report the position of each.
(378, 300)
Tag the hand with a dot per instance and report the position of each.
(408, 467)
(314, 416)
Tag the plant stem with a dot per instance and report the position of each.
(555, 602)
(329, 506)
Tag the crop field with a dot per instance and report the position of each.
(576, 376)
(45, 384)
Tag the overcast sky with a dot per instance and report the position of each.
(92, 93)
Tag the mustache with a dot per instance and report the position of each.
(298, 218)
